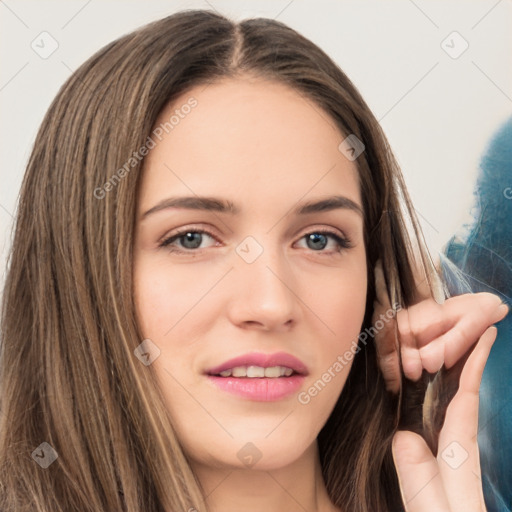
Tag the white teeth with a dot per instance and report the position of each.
(273, 371)
(257, 372)
(239, 371)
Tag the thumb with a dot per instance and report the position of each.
(418, 474)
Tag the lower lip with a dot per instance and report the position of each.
(259, 389)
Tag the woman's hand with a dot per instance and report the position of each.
(432, 335)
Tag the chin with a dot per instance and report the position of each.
(263, 454)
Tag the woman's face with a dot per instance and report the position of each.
(255, 278)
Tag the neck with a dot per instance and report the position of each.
(297, 486)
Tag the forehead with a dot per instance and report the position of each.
(248, 136)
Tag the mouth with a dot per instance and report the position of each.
(255, 372)
(259, 377)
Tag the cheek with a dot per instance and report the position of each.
(341, 303)
(152, 301)
(164, 295)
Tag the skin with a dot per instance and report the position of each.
(264, 147)
(433, 335)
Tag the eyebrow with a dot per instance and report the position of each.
(225, 206)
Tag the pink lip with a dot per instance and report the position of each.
(260, 389)
(263, 360)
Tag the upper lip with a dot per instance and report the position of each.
(263, 360)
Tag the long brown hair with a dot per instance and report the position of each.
(68, 372)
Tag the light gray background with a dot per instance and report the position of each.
(437, 111)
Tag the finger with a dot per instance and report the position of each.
(429, 320)
(411, 361)
(381, 292)
(451, 346)
(420, 481)
(386, 341)
(459, 460)
(471, 327)
(390, 367)
(471, 375)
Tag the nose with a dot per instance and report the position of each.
(264, 294)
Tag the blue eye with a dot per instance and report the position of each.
(191, 239)
(318, 240)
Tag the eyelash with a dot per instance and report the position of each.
(342, 242)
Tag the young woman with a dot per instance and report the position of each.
(210, 277)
